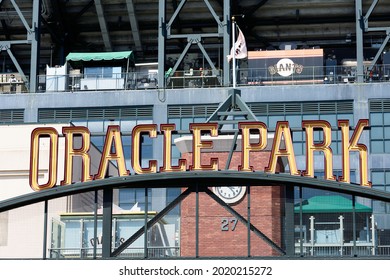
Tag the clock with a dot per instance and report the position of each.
(230, 194)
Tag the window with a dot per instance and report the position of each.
(172, 194)
(102, 72)
(129, 198)
(294, 113)
(381, 181)
(380, 126)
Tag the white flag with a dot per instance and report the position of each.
(239, 47)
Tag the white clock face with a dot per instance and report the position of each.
(230, 194)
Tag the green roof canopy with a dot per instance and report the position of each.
(100, 56)
(330, 204)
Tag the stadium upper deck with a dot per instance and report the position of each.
(65, 26)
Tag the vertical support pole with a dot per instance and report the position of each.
(146, 225)
(161, 44)
(312, 235)
(114, 232)
(248, 194)
(81, 236)
(373, 236)
(226, 42)
(45, 230)
(354, 225)
(300, 222)
(35, 45)
(197, 221)
(341, 218)
(289, 220)
(359, 41)
(234, 51)
(107, 223)
(95, 224)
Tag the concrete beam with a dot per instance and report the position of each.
(134, 25)
(103, 25)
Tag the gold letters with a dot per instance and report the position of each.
(70, 152)
(247, 146)
(112, 150)
(324, 147)
(352, 145)
(282, 129)
(138, 130)
(282, 147)
(198, 144)
(34, 157)
(167, 151)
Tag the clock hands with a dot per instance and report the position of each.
(232, 189)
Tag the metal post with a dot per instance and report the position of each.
(35, 45)
(373, 237)
(82, 229)
(234, 51)
(226, 42)
(161, 44)
(300, 222)
(45, 230)
(341, 218)
(107, 223)
(359, 41)
(248, 195)
(95, 224)
(146, 225)
(197, 221)
(354, 224)
(289, 220)
(312, 234)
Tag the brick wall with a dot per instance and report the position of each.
(265, 214)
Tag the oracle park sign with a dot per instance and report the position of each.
(113, 151)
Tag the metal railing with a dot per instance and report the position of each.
(198, 79)
(128, 81)
(346, 249)
(12, 83)
(195, 79)
(311, 75)
(88, 253)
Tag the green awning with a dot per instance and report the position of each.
(100, 56)
(330, 204)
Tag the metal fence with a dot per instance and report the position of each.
(88, 253)
(11, 83)
(207, 78)
(312, 75)
(346, 249)
(196, 79)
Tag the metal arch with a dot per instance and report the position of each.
(190, 178)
